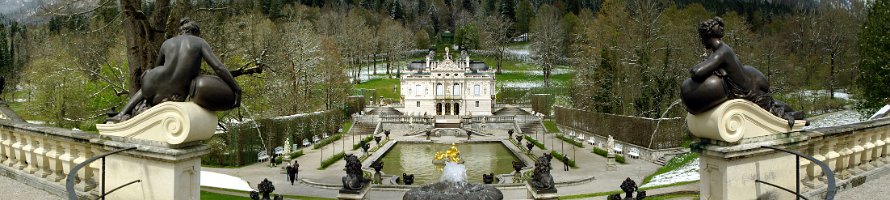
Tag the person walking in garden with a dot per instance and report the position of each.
(565, 161)
(291, 173)
(296, 167)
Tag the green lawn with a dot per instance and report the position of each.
(550, 125)
(384, 87)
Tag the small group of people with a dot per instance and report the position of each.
(292, 171)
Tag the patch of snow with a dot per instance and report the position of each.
(555, 71)
(224, 181)
(522, 85)
(35, 122)
(520, 52)
(688, 172)
(823, 93)
(835, 119)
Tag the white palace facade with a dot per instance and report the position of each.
(448, 87)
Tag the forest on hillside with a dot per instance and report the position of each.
(73, 60)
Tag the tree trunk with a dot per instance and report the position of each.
(831, 78)
(144, 35)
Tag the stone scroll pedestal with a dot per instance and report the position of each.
(732, 160)
(533, 194)
(363, 194)
(167, 161)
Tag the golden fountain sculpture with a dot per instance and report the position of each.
(452, 155)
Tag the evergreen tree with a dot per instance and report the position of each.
(605, 75)
(874, 49)
(508, 10)
(524, 14)
(490, 6)
(395, 10)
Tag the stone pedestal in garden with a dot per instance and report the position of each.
(167, 161)
(610, 163)
(534, 194)
(732, 160)
(362, 194)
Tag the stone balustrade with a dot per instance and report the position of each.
(42, 156)
(851, 151)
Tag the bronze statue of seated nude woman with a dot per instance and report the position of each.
(722, 77)
(176, 77)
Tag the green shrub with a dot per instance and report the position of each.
(278, 160)
(331, 160)
(559, 157)
(327, 141)
(604, 153)
(600, 152)
(295, 154)
(366, 139)
(535, 142)
(570, 140)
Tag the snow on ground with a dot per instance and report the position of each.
(520, 52)
(555, 71)
(217, 180)
(835, 119)
(823, 93)
(688, 172)
(522, 85)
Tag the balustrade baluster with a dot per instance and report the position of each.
(19, 153)
(805, 166)
(54, 164)
(831, 153)
(868, 147)
(86, 175)
(856, 156)
(30, 156)
(67, 159)
(41, 160)
(843, 161)
(878, 140)
(886, 137)
(96, 167)
(4, 142)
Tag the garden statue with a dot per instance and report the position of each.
(488, 178)
(610, 145)
(450, 155)
(408, 178)
(469, 133)
(265, 187)
(176, 77)
(377, 165)
(365, 147)
(428, 133)
(542, 181)
(722, 77)
(354, 180)
(549, 157)
(628, 186)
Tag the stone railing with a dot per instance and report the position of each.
(855, 153)
(42, 156)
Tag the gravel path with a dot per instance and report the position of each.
(11, 189)
(871, 189)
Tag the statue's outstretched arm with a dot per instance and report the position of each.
(221, 71)
(706, 68)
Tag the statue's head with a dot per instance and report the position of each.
(187, 26)
(710, 32)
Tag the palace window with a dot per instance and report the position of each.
(455, 90)
(477, 104)
(476, 90)
(418, 104)
(440, 89)
(418, 88)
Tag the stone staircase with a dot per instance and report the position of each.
(507, 111)
(531, 128)
(384, 111)
(363, 128)
(669, 155)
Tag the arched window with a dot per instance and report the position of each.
(440, 89)
(455, 90)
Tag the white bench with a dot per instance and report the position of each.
(592, 140)
(262, 156)
(634, 153)
(618, 149)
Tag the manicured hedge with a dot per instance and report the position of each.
(604, 153)
(559, 156)
(535, 142)
(296, 154)
(359, 145)
(331, 160)
(570, 140)
(327, 141)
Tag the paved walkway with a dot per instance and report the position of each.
(589, 164)
(872, 189)
(12, 189)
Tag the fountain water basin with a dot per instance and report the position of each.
(415, 158)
